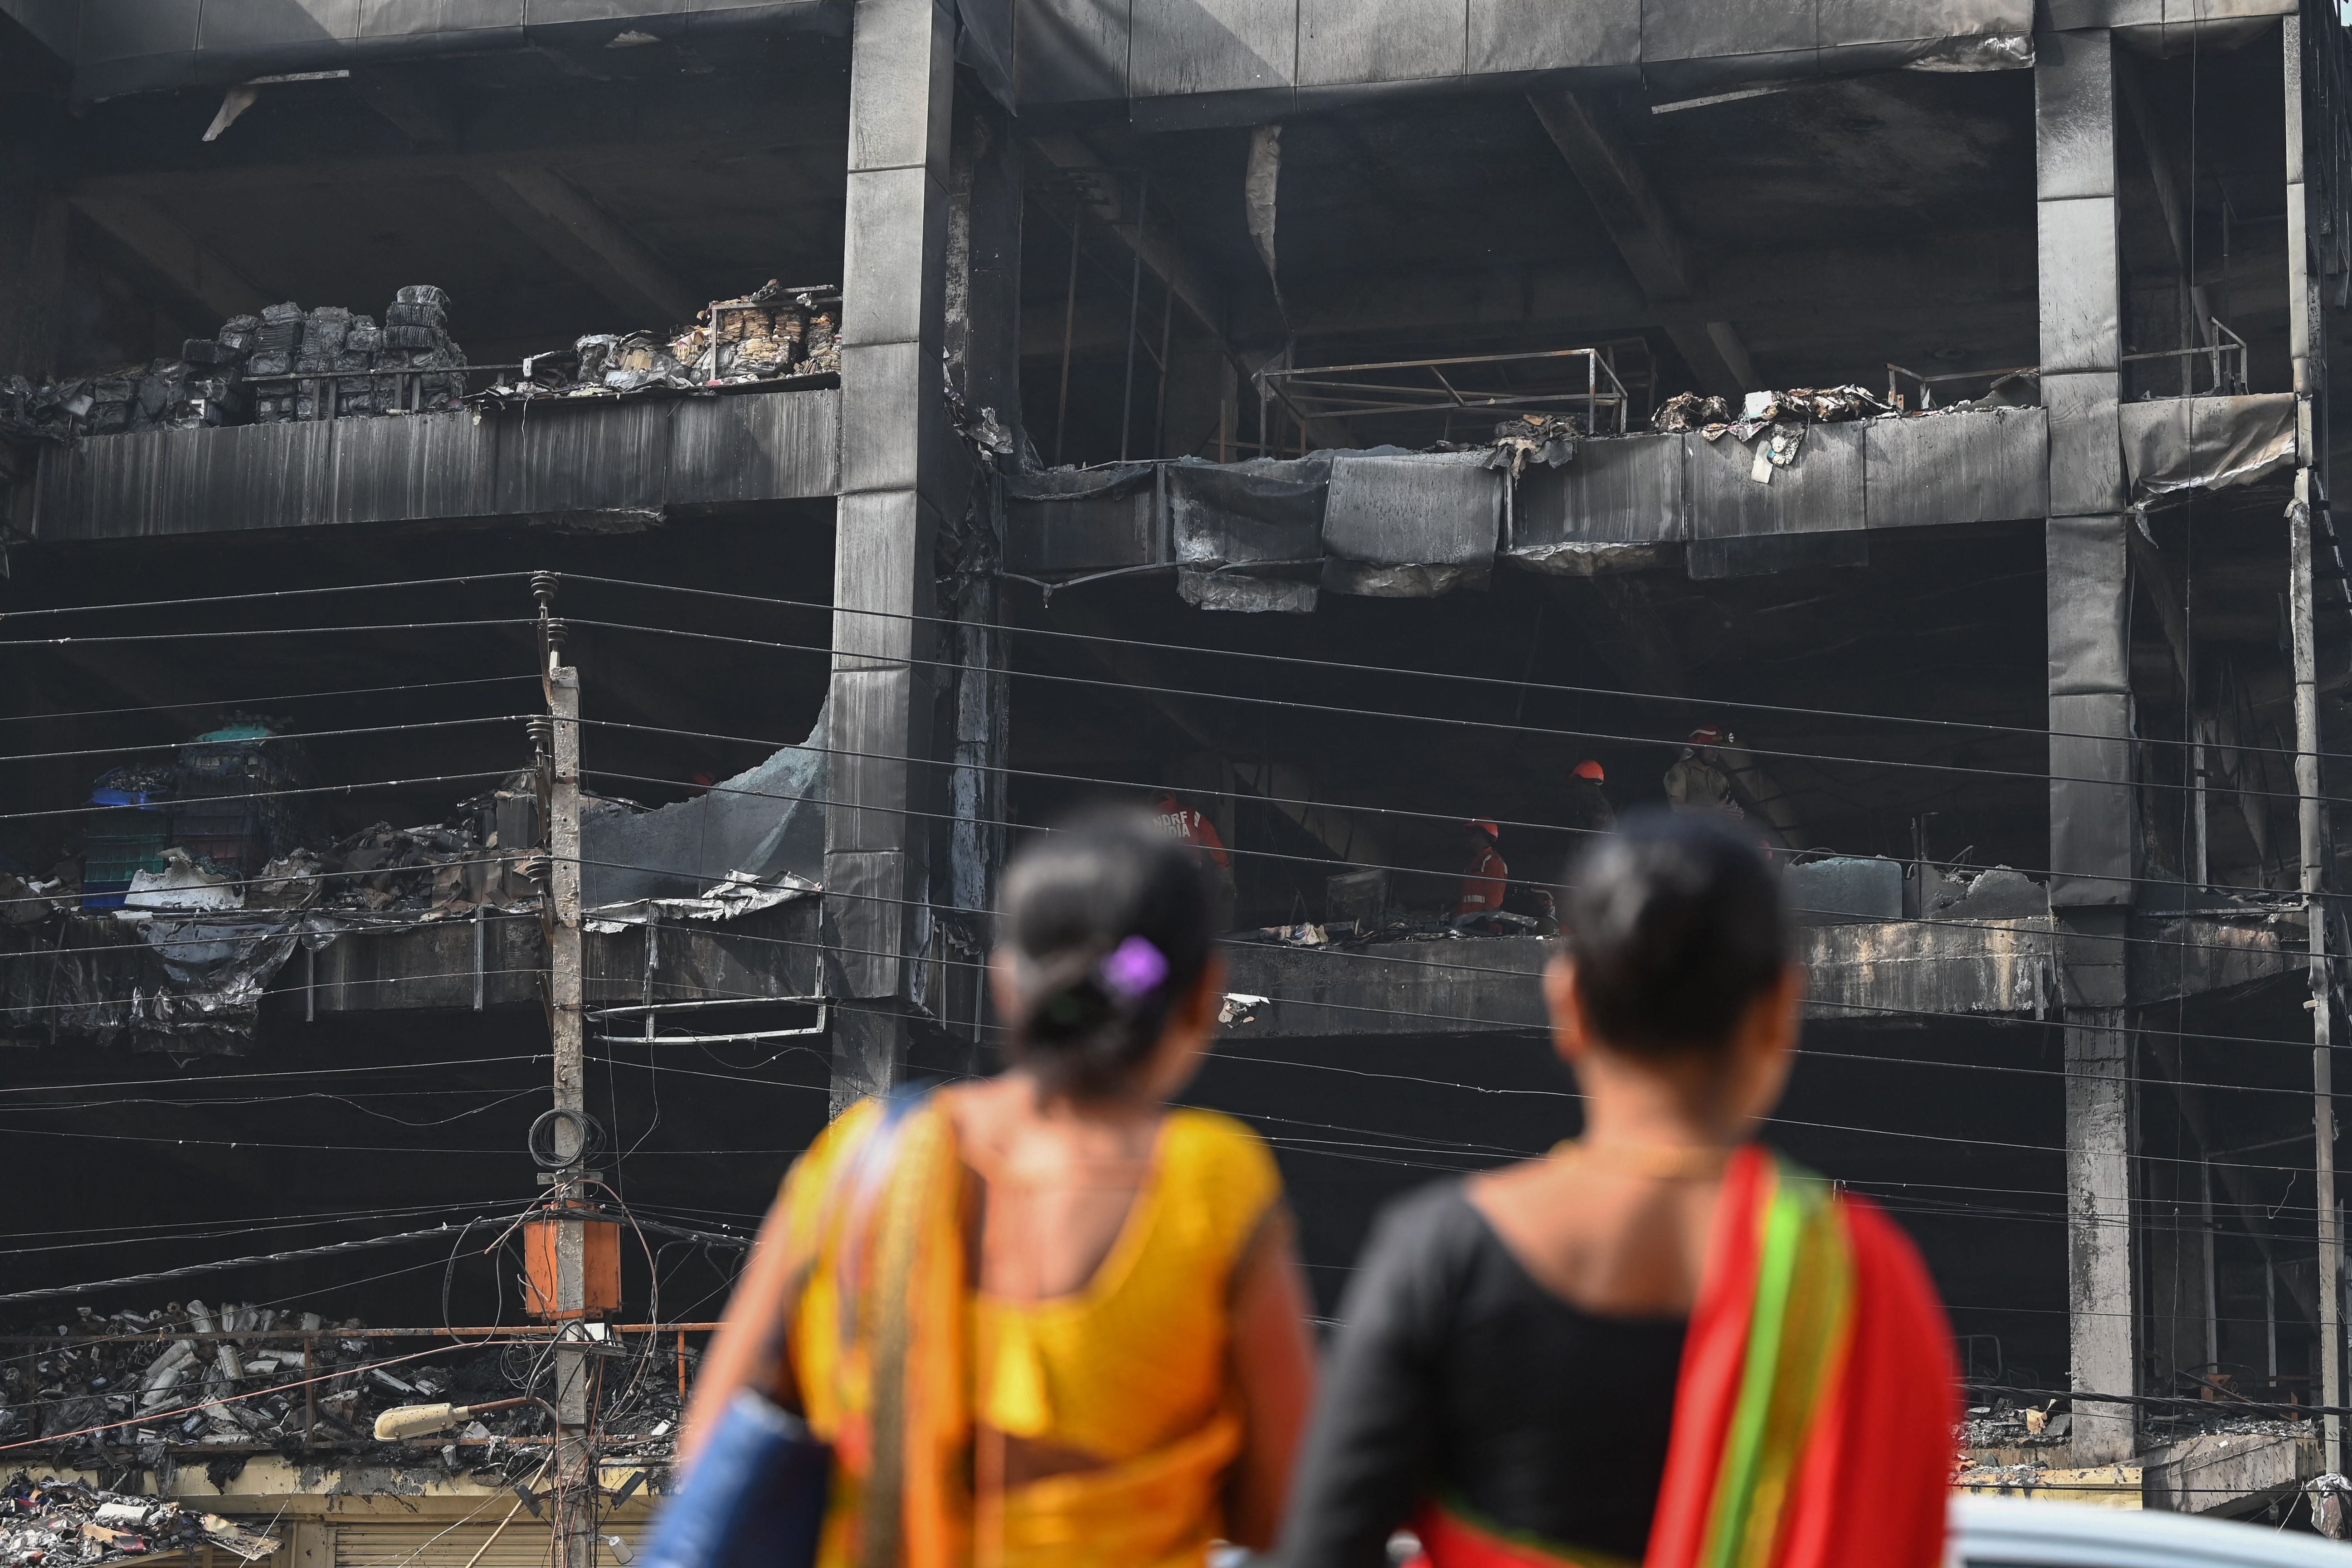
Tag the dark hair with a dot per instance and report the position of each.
(1107, 921)
(1676, 926)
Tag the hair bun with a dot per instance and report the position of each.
(1109, 923)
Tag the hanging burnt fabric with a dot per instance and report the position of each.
(1249, 536)
(1777, 498)
(1405, 525)
(2206, 442)
(1071, 521)
(1617, 508)
(2093, 808)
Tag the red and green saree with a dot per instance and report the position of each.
(1813, 1415)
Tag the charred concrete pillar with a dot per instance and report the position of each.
(2308, 345)
(2091, 805)
(900, 467)
(983, 366)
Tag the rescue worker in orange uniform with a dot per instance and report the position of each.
(1698, 780)
(1487, 879)
(1586, 808)
(1186, 825)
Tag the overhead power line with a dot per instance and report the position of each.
(236, 702)
(262, 596)
(156, 1276)
(1356, 668)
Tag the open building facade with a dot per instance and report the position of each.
(900, 423)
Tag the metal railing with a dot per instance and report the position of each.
(1896, 374)
(1463, 384)
(2226, 349)
(2224, 357)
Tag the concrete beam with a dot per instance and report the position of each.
(616, 463)
(413, 111)
(579, 235)
(32, 284)
(2227, 1474)
(1861, 971)
(431, 161)
(1163, 255)
(586, 241)
(1645, 234)
(1605, 164)
(188, 264)
(1808, 292)
(1196, 287)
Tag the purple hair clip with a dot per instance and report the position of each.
(1134, 968)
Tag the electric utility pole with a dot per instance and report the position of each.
(574, 1516)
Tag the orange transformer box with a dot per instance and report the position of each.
(600, 1265)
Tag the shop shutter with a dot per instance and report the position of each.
(526, 1542)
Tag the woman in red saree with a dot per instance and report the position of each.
(1663, 1344)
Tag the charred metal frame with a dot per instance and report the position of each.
(1308, 393)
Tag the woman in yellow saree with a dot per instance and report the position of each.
(1043, 1319)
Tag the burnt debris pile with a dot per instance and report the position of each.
(290, 364)
(285, 365)
(53, 1522)
(775, 334)
(193, 1383)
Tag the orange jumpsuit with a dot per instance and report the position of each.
(1189, 826)
(1484, 883)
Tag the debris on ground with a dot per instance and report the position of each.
(51, 1522)
(1996, 1478)
(123, 1392)
(2006, 1425)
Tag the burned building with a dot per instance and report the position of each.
(552, 550)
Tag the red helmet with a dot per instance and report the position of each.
(1588, 769)
(1481, 825)
(1705, 735)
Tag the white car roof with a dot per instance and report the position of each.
(2079, 1535)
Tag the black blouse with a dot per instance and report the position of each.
(1458, 1377)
